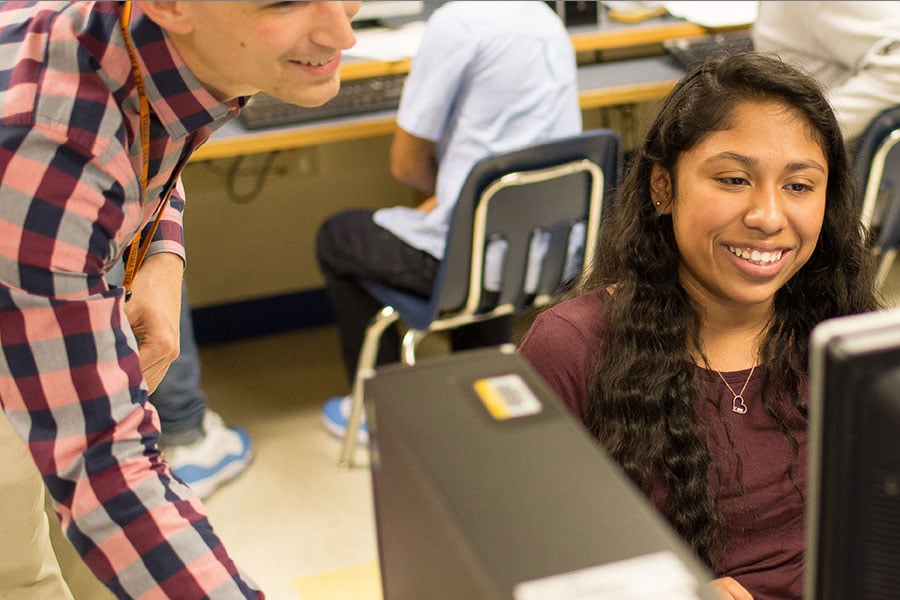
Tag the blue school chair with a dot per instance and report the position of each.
(876, 162)
(525, 225)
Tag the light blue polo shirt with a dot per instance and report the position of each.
(489, 77)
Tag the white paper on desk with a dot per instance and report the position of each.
(649, 577)
(715, 14)
(388, 43)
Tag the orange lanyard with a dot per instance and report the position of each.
(138, 251)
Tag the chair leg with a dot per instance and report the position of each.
(410, 342)
(365, 368)
(885, 263)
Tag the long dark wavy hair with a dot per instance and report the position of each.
(643, 390)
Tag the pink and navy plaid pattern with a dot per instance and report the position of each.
(70, 381)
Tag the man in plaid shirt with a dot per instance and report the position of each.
(78, 182)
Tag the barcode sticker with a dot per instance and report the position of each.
(507, 397)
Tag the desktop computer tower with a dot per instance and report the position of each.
(486, 488)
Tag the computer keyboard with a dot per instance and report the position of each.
(356, 96)
(690, 52)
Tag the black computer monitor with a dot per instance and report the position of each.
(854, 506)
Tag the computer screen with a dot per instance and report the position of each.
(853, 521)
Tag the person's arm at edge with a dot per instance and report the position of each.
(873, 84)
(413, 161)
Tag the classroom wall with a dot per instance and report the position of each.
(244, 245)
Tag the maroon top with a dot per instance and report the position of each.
(763, 510)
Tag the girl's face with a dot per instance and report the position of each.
(748, 208)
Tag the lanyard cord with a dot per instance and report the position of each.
(137, 251)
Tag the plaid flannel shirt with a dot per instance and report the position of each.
(70, 380)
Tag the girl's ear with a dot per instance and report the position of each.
(661, 189)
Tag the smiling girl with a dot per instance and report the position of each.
(685, 350)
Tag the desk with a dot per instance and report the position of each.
(601, 84)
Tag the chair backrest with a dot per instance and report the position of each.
(527, 198)
(876, 163)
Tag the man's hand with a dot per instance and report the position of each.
(154, 312)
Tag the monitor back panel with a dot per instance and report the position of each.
(853, 534)
(469, 505)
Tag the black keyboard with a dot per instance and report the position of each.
(356, 96)
(692, 51)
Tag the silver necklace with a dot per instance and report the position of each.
(737, 405)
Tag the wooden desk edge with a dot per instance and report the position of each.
(637, 36)
(629, 94)
(374, 68)
(299, 137)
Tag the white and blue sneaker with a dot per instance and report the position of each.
(218, 457)
(336, 417)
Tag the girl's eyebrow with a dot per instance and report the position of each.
(806, 164)
(748, 161)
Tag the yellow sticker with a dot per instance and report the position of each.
(507, 396)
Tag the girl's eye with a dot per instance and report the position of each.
(736, 181)
(799, 187)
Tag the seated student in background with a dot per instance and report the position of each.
(489, 77)
(852, 48)
(685, 352)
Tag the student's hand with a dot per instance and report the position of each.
(729, 589)
(427, 205)
(154, 312)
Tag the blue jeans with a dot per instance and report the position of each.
(179, 399)
(351, 247)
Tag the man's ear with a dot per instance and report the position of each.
(170, 16)
(661, 189)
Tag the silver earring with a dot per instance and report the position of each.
(658, 203)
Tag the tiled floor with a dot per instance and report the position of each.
(294, 513)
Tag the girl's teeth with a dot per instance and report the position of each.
(756, 256)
